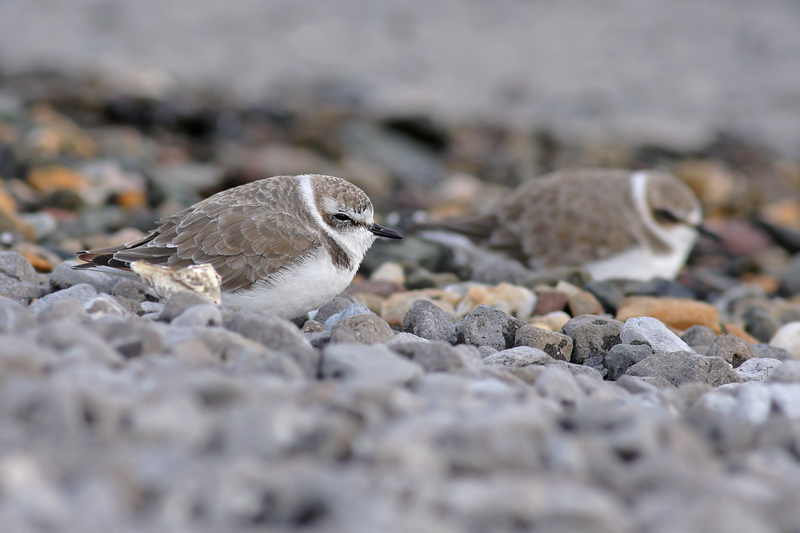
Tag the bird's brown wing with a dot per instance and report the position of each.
(247, 234)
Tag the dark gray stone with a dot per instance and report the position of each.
(772, 352)
(685, 367)
(556, 345)
(664, 288)
(429, 321)
(760, 323)
(14, 317)
(592, 335)
(64, 276)
(651, 331)
(699, 336)
(362, 329)
(179, 302)
(622, 356)
(337, 305)
(732, 349)
(377, 365)
(81, 293)
(518, 357)
(352, 310)
(487, 326)
(437, 356)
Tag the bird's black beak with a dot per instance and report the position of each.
(705, 232)
(380, 231)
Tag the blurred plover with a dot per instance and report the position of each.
(287, 244)
(613, 223)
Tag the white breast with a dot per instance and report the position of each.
(307, 286)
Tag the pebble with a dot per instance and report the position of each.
(18, 278)
(758, 369)
(487, 326)
(593, 336)
(579, 301)
(651, 331)
(377, 365)
(82, 293)
(771, 352)
(622, 356)
(788, 338)
(64, 276)
(731, 349)
(788, 372)
(429, 321)
(517, 357)
(699, 336)
(350, 311)
(556, 345)
(679, 367)
(397, 305)
(607, 293)
(391, 272)
(362, 329)
(439, 356)
(15, 318)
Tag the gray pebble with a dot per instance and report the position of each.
(487, 326)
(105, 304)
(644, 384)
(772, 352)
(699, 336)
(131, 338)
(438, 356)
(362, 328)
(651, 331)
(368, 364)
(559, 385)
(685, 367)
(403, 336)
(732, 349)
(64, 276)
(607, 293)
(760, 323)
(131, 289)
(352, 310)
(788, 372)
(430, 322)
(556, 345)
(81, 293)
(486, 351)
(199, 315)
(77, 344)
(622, 356)
(592, 336)
(576, 370)
(518, 356)
(758, 369)
(180, 302)
(337, 305)
(14, 317)
(18, 278)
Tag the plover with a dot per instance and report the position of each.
(613, 223)
(287, 244)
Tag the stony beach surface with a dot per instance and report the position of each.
(426, 397)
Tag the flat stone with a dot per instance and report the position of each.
(487, 326)
(592, 336)
(556, 345)
(758, 369)
(686, 367)
(732, 349)
(429, 321)
(377, 365)
(651, 331)
(362, 328)
(517, 357)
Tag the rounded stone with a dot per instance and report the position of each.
(592, 336)
(362, 329)
(429, 321)
(556, 345)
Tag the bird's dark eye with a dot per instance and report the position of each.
(342, 217)
(665, 217)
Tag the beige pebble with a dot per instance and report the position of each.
(788, 338)
(389, 272)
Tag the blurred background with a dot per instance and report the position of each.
(672, 73)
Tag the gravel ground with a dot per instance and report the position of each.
(425, 398)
